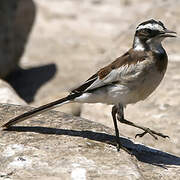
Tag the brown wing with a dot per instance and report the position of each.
(106, 76)
(130, 57)
(86, 84)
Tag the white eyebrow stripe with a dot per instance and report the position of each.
(151, 26)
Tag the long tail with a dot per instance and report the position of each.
(40, 110)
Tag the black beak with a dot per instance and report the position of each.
(168, 33)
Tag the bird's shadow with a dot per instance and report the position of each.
(26, 82)
(141, 152)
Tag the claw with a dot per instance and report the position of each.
(151, 132)
(120, 146)
(141, 134)
(145, 132)
(164, 136)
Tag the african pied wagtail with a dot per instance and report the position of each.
(129, 79)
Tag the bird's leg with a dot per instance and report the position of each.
(145, 129)
(119, 145)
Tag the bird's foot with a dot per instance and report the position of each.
(154, 134)
(120, 146)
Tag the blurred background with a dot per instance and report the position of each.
(51, 47)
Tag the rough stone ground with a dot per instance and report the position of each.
(60, 146)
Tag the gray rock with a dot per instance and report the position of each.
(55, 145)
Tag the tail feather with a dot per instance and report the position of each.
(40, 110)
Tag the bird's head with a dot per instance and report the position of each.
(151, 31)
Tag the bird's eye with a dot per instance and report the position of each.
(149, 30)
(146, 31)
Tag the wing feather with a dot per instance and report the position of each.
(121, 67)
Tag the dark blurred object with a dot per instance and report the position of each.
(26, 82)
(16, 20)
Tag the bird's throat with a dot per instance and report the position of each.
(139, 45)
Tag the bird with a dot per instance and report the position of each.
(130, 78)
